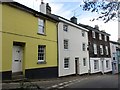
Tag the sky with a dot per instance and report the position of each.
(67, 9)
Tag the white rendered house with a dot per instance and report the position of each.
(114, 57)
(72, 48)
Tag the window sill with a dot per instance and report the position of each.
(41, 34)
(96, 69)
(41, 62)
(66, 68)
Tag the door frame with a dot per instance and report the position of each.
(102, 66)
(21, 44)
(76, 65)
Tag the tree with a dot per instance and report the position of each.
(107, 9)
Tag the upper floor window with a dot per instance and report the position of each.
(66, 63)
(93, 34)
(101, 49)
(41, 26)
(83, 47)
(41, 53)
(65, 44)
(65, 27)
(100, 36)
(105, 38)
(95, 48)
(106, 47)
(83, 33)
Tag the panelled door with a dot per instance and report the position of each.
(17, 59)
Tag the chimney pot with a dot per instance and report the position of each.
(74, 19)
(96, 27)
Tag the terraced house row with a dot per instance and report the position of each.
(43, 45)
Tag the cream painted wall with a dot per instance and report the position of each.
(0, 37)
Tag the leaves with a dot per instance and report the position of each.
(107, 9)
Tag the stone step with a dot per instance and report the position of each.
(14, 77)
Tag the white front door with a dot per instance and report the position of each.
(17, 59)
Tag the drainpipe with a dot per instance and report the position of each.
(57, 49)
(89, 71)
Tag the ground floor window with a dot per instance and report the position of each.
(84, 61)
(96, 65)
(66, 63)
(41, 53)
(107, 64)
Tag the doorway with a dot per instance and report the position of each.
(102, 66)
(76, 65)
(17, 59)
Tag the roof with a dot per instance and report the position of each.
(29, 10)
(115, 42)
(93, 29)
(64, 19)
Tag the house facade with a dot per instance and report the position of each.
(114, 56)
(99, 50)
(72, 48)
(29, 42)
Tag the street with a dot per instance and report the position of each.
(103, 81)
(71, 82)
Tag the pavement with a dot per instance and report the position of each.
(45, 84)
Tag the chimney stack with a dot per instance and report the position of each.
(96, 27)
(45, 8)
(74, 19)
(48, 9)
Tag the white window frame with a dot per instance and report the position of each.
(41, 53)
(101, 49)
(83, 47)
(65, 27)
(66, 63)
(83, 33)
(66, 44)
(106, 47)
(84, 62)
(93, 34)
(105, 38)
(100, 36)
(95, 48)
(41, 26)
(96, 65)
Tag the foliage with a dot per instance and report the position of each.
(107, 9)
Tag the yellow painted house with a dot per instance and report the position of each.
(28, 42)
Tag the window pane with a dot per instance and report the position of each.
(41, 29)
(84, 61)
(41, 53)
(96, 65)
(65, 44)
(65, 28)
(93, 34)
(40, 26)
(83, 33)
(66, 62)
(83, 47)
(95, 48)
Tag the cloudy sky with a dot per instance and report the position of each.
(67, 9)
